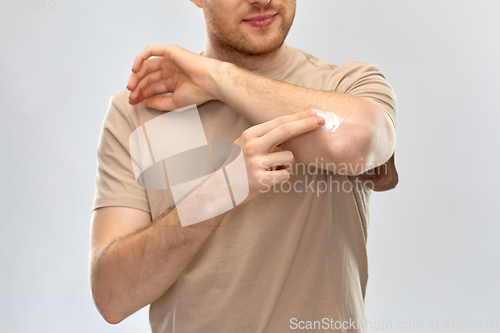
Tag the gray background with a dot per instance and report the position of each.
(432, 241)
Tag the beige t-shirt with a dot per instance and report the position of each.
(293, 254)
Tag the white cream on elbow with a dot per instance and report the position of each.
(332, 121)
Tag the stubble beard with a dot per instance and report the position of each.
(229, 41)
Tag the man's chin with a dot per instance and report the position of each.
(262, 47)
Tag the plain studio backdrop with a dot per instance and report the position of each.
(433, 241)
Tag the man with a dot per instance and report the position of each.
(293, 257)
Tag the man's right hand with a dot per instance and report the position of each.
(258, 142)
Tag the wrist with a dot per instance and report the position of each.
(217, 79)
(207, 201)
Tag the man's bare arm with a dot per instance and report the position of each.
(365, 139)
(134, 269)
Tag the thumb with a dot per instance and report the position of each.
(161, 103)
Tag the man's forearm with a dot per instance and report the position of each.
(261, 99)
(135, 270)
(364, 136)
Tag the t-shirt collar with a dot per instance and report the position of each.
(280, 68)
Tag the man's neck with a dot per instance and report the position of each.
(249, 62)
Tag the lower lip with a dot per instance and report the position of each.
(263, 23)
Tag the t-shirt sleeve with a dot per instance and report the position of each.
(115, 181)
(364, 80)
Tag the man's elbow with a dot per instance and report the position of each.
(106, 305)
(363, 148)
(110, 319)
(351, 152)
(365, 153)
(109, 313)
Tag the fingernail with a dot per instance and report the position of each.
(311, 114)
(320, 120)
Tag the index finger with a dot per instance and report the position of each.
(261, 129)
(291, 129)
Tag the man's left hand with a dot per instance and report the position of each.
(170, 68)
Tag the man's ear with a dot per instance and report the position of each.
(198, 3)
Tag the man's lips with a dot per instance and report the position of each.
(259, 17)
(261, 21)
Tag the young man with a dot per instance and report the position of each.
(291, 258)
